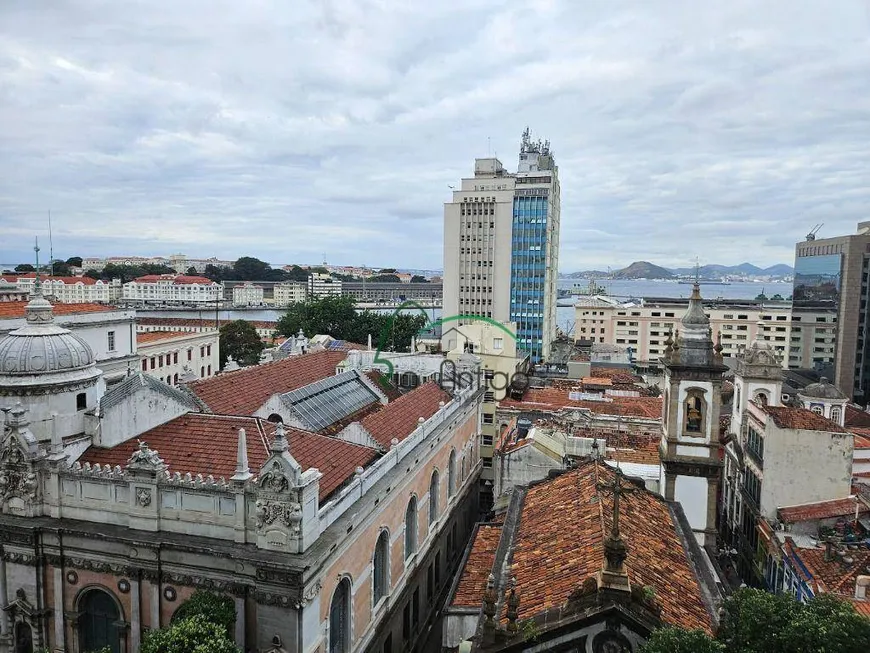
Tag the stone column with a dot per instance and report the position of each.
(59, 630)
(670, 486)
(135, 614)
(5, 628)
(240, 622)
(155, 604)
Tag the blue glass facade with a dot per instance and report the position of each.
(528, 269)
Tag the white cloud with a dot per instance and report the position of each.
(290, 130)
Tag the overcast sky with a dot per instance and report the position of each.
(289, 130)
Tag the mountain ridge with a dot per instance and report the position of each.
(647, 270)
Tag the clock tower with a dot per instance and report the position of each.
(690, 449)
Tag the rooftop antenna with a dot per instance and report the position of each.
(36, 285)
(50, 244)
(488, 146)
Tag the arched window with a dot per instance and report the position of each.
(451, 474)
(98, 618)
(23, 638)
(381, 567)
(339, 618)
(818, 410)
(836, 414)
(761, 399)
(694, 413)
(434, 488)
(275, 418)
(411, 528)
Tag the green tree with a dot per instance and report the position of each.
(677, 640)
(385, 278)
(191, 271)
(296, 273)
(194, 635)
(239, 339)
(59, 268)
(328, 315)
(249, 268)
(387, 271)
(216, 608)
(218, 272)
(25, 267)
(93, 274)
(75, 261)
(419, 278)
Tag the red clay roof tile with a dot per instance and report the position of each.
(12, 310)
(242, 392)
(553, 556)
(789, 417)
(820, 510)
(205, 444)
(555, 399)
(472, 583)
(399, 418)
(146, 337)
(832, 575)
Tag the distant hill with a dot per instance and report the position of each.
(712, 271)
(642, 270)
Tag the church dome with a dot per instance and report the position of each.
(42, 353)
(822, 390)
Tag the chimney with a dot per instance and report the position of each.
(829, 548)
(861, 585)
(243, 471)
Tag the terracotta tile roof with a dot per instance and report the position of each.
(596, 381)
(820, 510)
(195, 322)
(472, 583)
(205, 444)
(554, 399)
(176, 279)
(85, 281)
(861, 607)
(552, 557)
(788, 417)
(856, 417)
(145, 337)
(242, 392)
(399, 418)
(832, 575)
(11, 310)
(617, 375)
(862, 436)
(384, 384)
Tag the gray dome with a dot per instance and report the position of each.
(42, 353)
(822, 390)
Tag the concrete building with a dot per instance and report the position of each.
(178, 357)
(109, 332)
(340, 536)
(644, 326)
(392, 292)
(70, 290)
(831, 276)
(248, 294)
(323, 285)
(501, 246)
(290, 292)
(171, 289)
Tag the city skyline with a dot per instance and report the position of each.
(148, 128)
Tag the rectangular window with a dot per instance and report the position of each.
(160, 360)
(153, 362)
(487, 463)
(498, 343)
(486, 440)
(190, 354)
(111, 338)
(175, 358)
(487, 418)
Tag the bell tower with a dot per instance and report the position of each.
(690, 448)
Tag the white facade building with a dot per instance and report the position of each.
(290, 292)
(110, 333)
(248, 294)
(501, 246)
(178, 357)
(172, 289)
(323, 285)
(70, 290)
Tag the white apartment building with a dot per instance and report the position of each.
(172, 289)
(109, 332)
(644, 326)
(323, 285)
(178, 357)
(70, 290)
(290, 292)
(501, 246)
(248, 294)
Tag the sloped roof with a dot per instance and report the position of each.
(820, 510)
(146, 337)
(135, 382)
(206, 444)
(399, 418)
(242, 392)
(555, 399)
(330, 400)
(789, 417)
(478, 565)
(12, 310)
(553, 556)
(833, 575)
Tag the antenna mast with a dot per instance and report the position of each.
(50, 244)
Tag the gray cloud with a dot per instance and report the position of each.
(290, 130)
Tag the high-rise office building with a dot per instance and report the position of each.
(830, 300)
(501, 246)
